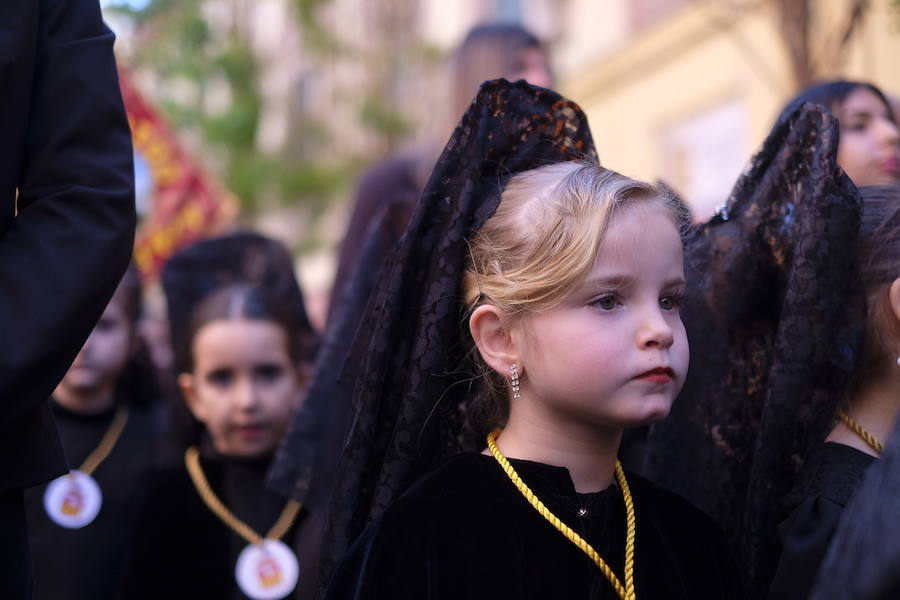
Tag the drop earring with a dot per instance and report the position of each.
(514, 379)
(898, 360)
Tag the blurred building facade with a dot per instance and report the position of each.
(678, 90)
(691, 89)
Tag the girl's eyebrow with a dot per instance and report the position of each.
(614, 281)
(865, 114)
(617, 281)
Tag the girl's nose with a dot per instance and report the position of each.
(889, 132)
(655, 331)
(246, 395)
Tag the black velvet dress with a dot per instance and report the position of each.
(91, 562)
(465, 531)
(187, 552)
(825, 486)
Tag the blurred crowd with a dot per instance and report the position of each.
(218, 457)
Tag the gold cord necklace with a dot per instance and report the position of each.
(107, 442)
(281, 526)
(74, 499)
(873, 442)
(266, 568)
(625, 592)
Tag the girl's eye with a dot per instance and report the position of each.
(219, 377)
(671, 302)
(856, 125)
(269, 372)
(606, 301)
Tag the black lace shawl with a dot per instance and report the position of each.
(408, 392)
(863, 560)
(774, 319)
(306, 464)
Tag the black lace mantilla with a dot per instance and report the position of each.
(406, 410)
(774, 319)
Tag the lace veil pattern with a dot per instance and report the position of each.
(774, 318)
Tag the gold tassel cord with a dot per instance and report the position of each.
(873, 442)
(278, 530)
(625, 592)
(110, 438)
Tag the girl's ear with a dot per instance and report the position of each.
(894, 298)
(188, 386)
(493, 339)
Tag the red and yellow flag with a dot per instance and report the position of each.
(185, 204)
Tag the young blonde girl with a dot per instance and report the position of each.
(569, 292)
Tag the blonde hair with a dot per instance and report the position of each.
(540, 245)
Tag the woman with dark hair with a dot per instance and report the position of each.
(487, 52)
(869, 149)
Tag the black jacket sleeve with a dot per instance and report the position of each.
(64, 251)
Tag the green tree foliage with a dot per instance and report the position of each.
(209, 87)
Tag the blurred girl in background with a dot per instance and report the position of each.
(869, 150)
(82, 525)
(211, 528)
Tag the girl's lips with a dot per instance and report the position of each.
(249, 431)
(891, 165)
(657, 375)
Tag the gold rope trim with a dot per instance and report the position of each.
(281, 526)
(107, 443)
(873, 442)
(625, 592)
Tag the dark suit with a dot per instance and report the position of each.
(65, 145)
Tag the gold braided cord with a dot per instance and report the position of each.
(107, 443)
(873, 442)
(625, 592)
(281, 526)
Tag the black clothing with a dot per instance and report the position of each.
(863, 559)
(307, 461)
(66, 230)
(186, 552)
(465, 531)
(824, 487)
(66, 240)
(775, 319)
(391, 182)
(91, 562)
(14, 547)
(410, 388)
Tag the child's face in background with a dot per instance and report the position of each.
(104, 355)
(244, 388)
(869, 150)
(591, 360)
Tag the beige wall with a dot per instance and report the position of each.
(710, 73)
